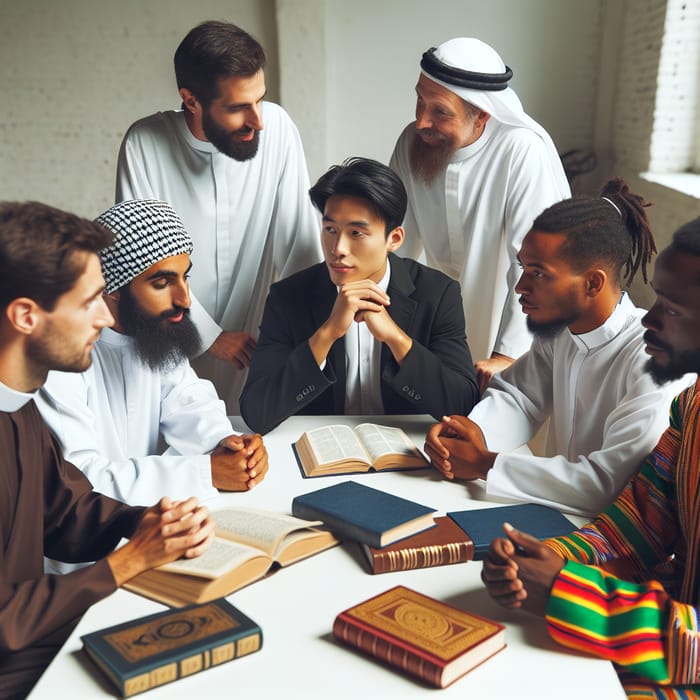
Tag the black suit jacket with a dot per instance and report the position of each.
(437, 376)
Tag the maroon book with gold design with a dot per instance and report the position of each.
(422, 636)
(446, 543)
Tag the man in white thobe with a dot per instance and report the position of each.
(241, 191)
(585, 371)
(139, 422)
(478, 170)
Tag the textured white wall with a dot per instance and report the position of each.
(640, 53)
(76, 73)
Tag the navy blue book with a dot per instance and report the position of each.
(141, 654)
(485, 524)
(364, 514)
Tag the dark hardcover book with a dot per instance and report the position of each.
(485, 524)
(421, 636)
(446, 543)
(150, 651)
(364, 514)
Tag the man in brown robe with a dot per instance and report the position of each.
(51, 313)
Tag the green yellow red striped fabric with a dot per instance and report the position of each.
(630, 589)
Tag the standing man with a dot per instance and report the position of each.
(626, 587)
(478, 170)
(241, 190)
(52, 314)
(139, 422)
(364, 332)
(584, 374)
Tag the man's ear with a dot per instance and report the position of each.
(24, 315)
(596, 280)
(189, 102)
(395, 239)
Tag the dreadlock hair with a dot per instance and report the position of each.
(612, 230)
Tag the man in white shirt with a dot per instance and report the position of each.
(478, 170)
(585, 371)
(241, 191)
(139, 422)
(366, 332)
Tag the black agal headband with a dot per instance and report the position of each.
(464, 78)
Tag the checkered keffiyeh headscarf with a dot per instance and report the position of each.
(145, 231)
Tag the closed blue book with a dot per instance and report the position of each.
(485, 524)
(147, 652)
(364, 514)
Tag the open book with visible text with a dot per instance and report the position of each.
(249, 542)
(340, 449)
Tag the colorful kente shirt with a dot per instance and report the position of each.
(638, 604)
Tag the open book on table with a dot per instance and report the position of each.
(248, 543)
(340, 449)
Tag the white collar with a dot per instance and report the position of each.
(12, 400)
(612, 326)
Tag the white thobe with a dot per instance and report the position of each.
(137, 434)
(252, 222)
(471, 220)
(605, 414)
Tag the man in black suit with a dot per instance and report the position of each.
(365, 332)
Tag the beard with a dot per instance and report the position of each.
(428, 160)
(159, 344)
(679, 363)
(548, 329)
(226, 142)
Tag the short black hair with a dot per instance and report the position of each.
(366, 179)
(687, 238)
(215, 50)
(38, 246)
(612, 230)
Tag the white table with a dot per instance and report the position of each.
(296, 607)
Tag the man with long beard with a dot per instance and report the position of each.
(585, 372)
(139, 422)
(51, 314)
(240, 189)
(625, 587)
(477, 170)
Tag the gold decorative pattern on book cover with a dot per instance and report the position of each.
(420, 621)
(170, 632)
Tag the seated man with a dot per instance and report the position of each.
(366, 332)
(597, 586)
(584, 372)
(52, 312)
(140, 391)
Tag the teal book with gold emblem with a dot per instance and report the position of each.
(150, 651)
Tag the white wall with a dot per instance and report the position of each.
(76, 73)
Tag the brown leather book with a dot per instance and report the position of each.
(446, 543)
(421, 636)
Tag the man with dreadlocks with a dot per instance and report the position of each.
(602, 588)
(584, 372)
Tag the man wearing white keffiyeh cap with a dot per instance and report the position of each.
(478, 170)
(140, 391)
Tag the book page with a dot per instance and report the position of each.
(221, 557)
(335, 442)
(258, 528)
(380, 440)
